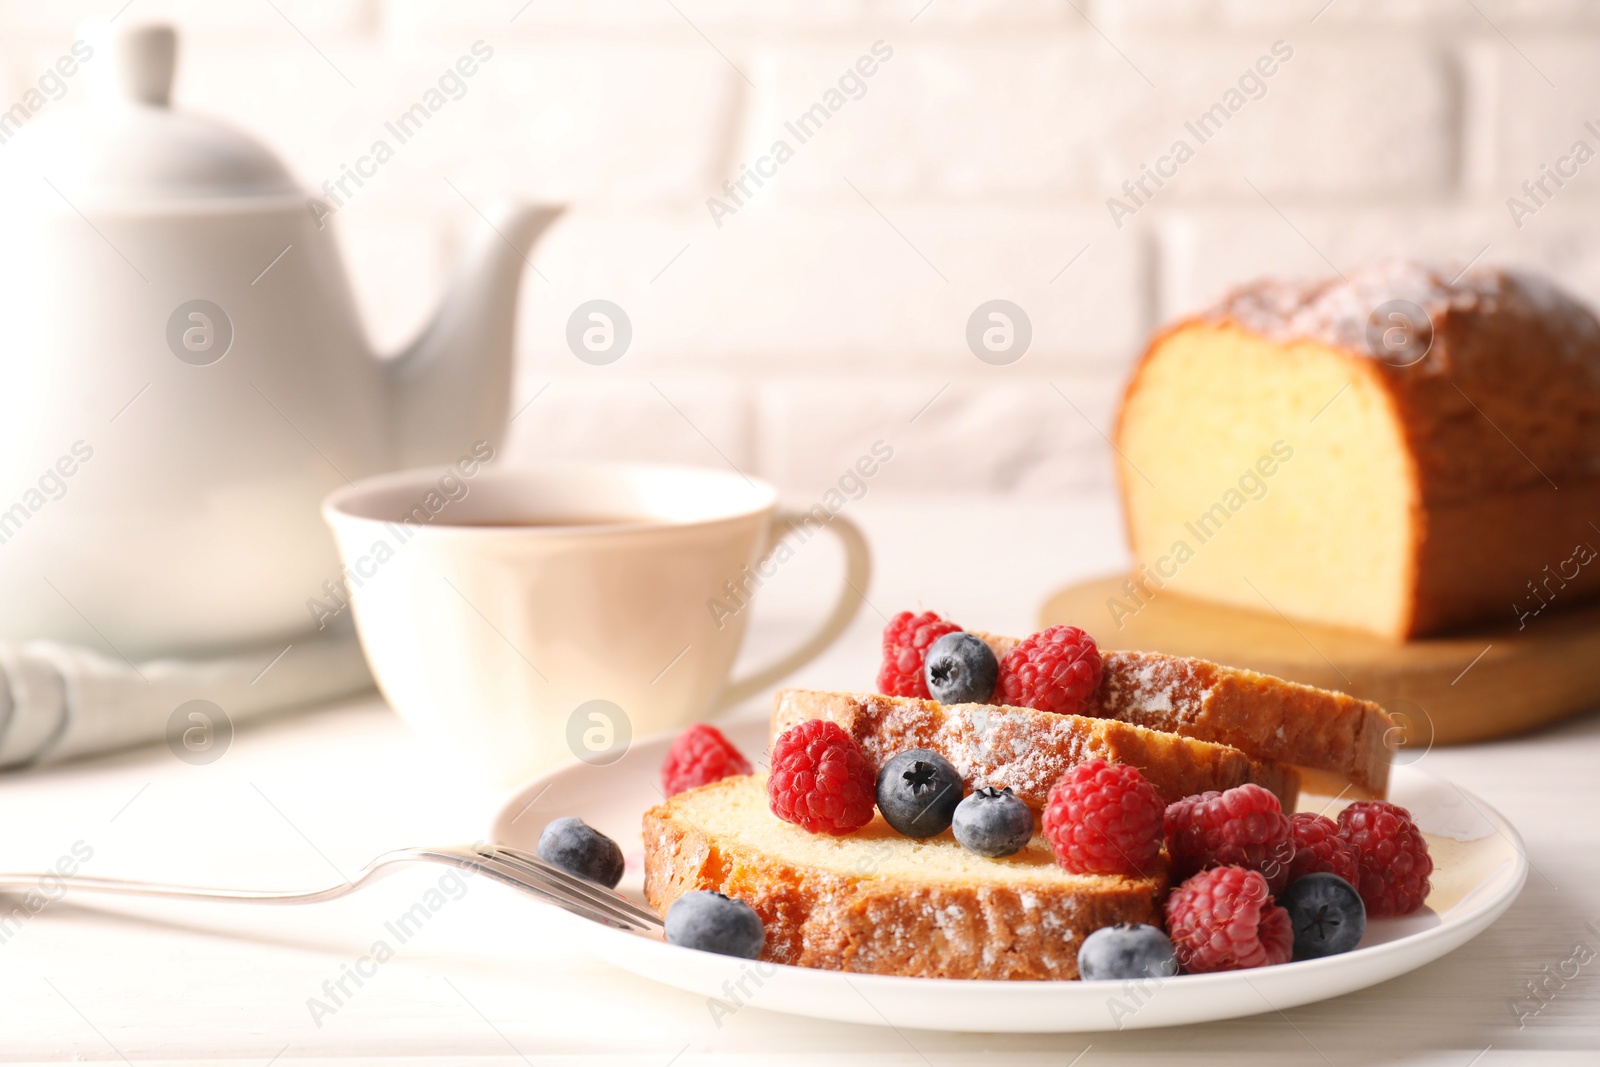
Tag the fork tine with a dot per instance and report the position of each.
(576, 891)
(583, 910)
(594, 895)
(577, 884)
(589, 890)
(577, 904)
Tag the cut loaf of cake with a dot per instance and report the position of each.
(880, 903)
(1269, 719)
(1028, 750)
(1381, 452)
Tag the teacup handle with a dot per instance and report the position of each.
(857, 573)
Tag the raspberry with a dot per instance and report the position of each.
(1318, 847)
(1243, 827)
(1104, 818)
(698, 756)
(820, 779)
(905, 648)
(1224, 920)
(1054, 670)
(1392, 861)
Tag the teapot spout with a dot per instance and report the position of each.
(452, 387)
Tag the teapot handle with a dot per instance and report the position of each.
(857, 573)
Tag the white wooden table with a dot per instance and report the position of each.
(488, 980)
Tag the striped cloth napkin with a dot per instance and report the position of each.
(60, 702)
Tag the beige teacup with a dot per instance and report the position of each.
(523, 617)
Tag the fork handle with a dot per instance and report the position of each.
(14, 883)
(383, 865)
(520, 871)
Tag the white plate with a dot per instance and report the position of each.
(1480, 865)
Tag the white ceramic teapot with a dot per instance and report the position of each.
(183, 374)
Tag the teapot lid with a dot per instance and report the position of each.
(128, 144)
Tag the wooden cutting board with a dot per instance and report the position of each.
(1470, 686)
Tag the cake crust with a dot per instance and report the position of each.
(1029, 750)
(874, 923)
(1267, 718)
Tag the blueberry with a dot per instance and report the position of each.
(961, 669)
(1327, 915)
(1126, 950)
(992, 822)
(575, 846)
(711, 922)
(918, 791)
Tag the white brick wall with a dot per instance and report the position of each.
(975, 163)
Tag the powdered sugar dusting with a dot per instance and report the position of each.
(1151, 690)
(992, 745)
(1335, 311)
(961, 932)
(1028, 751)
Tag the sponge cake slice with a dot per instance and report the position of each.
(877, 902)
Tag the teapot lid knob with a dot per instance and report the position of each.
(140, 62)
(132, 147)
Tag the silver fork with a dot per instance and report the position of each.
(508, 866)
